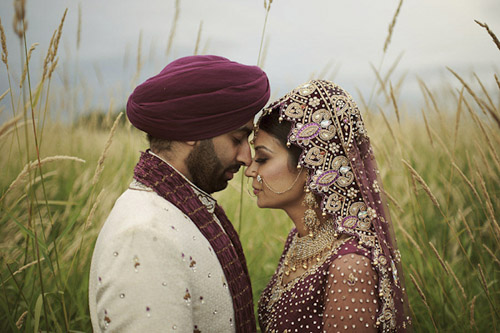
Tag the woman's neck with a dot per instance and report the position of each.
(296, 214)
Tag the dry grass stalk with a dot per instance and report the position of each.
(53, 67)
(492, 35)
(9, 124)
(19, 125)
(387, 123)
(459, 113)
(79, 28)
(35, 164)
(421, 181)
(497, 81)
(100, 163)
(58, 37)
(495, 259)
(472, 305)
(457, 281)
(485, 92)
(412, 240)
(4, 94)
(486, 164)
(414, 185)
(492, 113)
(399, 84)
(198, 38)
(469, 90)
(20, 321)
(424, 299)
(92, 211)
(363, 101)
(467, 228)
(27, 266)
(174, 26)
(443, 145)
(48, 56)
(420, 292)
(139, 55)
(489, 205)
(467, 181)
(263, 56)
(267, 7)
(18, 22)
(488, 141)
(5, 53)
(396, 109)
(441, 261)
(380, 81)
(391, 69)
(483, 279)
(391, 26)
(391, 199)
(429, 93)
(427, 127)
(26, 64)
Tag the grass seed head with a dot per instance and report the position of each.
(391, 26)
(18, 23)
(5, 53)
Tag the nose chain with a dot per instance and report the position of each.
(262, 180)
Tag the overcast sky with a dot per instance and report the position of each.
(330, 38)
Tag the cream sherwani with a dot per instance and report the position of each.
(153, 271)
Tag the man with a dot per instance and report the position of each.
(167, 257)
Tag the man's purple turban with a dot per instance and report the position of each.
(198, 97)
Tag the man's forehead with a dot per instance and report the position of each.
(247, 128)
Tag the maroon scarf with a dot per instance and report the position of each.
(166, 182)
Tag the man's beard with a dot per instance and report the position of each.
(205, 168)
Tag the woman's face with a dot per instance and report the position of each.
(271, 162)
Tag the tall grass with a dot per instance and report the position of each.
(441, 175)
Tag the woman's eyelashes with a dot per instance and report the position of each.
(260, 160)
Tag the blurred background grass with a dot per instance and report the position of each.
(439, 164)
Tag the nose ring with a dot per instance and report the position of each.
(259, 179)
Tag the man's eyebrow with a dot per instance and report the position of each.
(245, 130)
(263, 148)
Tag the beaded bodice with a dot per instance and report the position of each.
(316, 301)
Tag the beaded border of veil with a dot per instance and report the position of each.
(336, 151)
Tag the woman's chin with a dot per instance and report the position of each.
(262, 204)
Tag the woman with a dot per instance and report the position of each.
(340, 269)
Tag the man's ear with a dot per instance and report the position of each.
(191, 143)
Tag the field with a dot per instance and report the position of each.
(440, 167)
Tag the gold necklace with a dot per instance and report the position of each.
(304, 249)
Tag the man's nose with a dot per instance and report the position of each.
(244, 154)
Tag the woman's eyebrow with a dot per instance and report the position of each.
(263, 148)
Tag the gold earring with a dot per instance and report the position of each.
(311, 219)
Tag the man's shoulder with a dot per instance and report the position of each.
(142, 208)
(139, 198)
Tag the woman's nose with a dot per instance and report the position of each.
(250, 170)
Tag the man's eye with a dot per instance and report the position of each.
(237, 141)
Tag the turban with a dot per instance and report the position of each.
(198, 97)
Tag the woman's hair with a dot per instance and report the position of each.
(270, 123)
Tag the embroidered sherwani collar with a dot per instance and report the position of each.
(206, 199)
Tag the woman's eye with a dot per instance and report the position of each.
(260, 160)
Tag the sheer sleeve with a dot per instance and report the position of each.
(351, 301)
